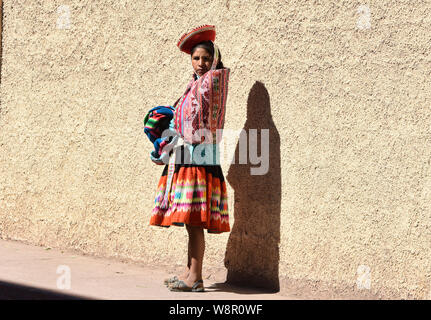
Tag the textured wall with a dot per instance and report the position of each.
(345, 94)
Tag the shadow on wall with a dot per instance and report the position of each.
(252, 254)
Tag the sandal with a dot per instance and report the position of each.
(180, 286)
(171, 280)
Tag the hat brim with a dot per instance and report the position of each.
(198, 35)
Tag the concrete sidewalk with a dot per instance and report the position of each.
(33, 272)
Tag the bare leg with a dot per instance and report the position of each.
(196, 254)
(186, 272)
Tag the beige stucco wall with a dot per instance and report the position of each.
(346, 99)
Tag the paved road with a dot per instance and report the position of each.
(32, 272)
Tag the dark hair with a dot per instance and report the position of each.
(208, 46)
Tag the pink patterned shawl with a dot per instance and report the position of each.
(200, 111)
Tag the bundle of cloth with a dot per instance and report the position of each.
(159, 128)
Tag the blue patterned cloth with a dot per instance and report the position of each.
(159, 128)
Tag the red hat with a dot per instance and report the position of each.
(198, 35)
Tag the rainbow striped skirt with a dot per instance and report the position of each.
(197, 197)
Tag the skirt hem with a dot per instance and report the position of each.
(183, 224)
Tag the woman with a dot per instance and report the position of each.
(192, 189)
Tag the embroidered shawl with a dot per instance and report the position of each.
(200, 111)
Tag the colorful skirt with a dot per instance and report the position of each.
(198, 197)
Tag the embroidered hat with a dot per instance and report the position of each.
(200, 34)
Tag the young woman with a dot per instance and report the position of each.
(192, 188)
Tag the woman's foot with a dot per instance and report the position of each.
(174, 279)
(170, 280)
(182, 286)
(189, 281)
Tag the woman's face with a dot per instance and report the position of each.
(201, 61)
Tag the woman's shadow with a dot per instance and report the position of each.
(252, 254)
